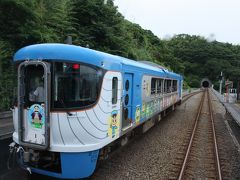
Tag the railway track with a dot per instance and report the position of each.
(187, 96)
(201, 160)
(6, 135)
(6, 125)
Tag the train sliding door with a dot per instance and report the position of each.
(33, 104)
(127, 101)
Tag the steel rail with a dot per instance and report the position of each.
(192, 136)
(6, 135)
(214, 139)
(187, 96)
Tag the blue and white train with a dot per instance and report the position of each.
(75, 104)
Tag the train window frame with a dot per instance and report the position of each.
(114, 90)
(169, 85)
(127, 84)
(175, 85)
(31, 86)
(165, 86)
(159, 88)
(64, 105)
(153, 85)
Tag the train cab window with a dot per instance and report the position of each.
(114, 90)
(34, 84)
(75, 85)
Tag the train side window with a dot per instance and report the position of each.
(165, 86)
(174, 85)
(114, 90)
(159, 86)
(169, 86)
(153, 85)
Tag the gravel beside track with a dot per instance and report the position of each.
(154, 154)
(158, 153)
(229, 153)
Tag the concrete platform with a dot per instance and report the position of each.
(232, 108)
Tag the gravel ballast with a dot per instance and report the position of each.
(158, 153)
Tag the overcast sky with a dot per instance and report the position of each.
(165, 18)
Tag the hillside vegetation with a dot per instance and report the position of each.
(96, 25)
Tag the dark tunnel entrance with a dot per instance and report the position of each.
(205, 84)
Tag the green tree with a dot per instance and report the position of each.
(7, 80)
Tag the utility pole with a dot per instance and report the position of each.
(227, 95)
(221, 81)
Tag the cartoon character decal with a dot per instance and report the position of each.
(148, 110)
(36, 116)
(35, 131)
(155, 105)
(143, 113)
(113, 130)
(137, 114)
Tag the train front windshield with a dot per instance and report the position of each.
(34, 84)
(75, 85)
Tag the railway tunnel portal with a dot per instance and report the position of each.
(206, 83)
